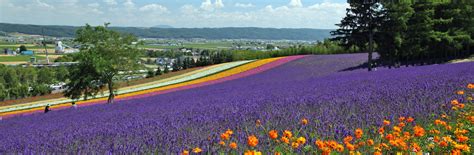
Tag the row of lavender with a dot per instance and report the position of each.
(315, 87)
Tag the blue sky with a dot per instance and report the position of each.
(176, 13)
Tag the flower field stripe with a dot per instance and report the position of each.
(202, 77)
(188, 84)
(242, 71)
(28, 108)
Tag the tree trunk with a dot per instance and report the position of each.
(111, 92)
(371, 49)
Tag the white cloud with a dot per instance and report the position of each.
(242, 5)
(129, 4)
(219, 4)
(209, 6)
(128, 13)
(154, 8)
(94, 5)
(43, 4)
(110, 2)
(295, 3)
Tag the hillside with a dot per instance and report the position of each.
(182, 33)
(278, 93)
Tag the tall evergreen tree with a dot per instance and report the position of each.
(357, 29)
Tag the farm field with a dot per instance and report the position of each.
(19, 58)
(330, 91)
(212, 45)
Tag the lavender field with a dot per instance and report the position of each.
(328, 90)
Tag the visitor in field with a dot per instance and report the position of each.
(74, 105)
(46, 109)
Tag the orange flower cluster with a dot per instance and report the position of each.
(450, 133)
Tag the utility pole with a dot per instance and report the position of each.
(44, 44)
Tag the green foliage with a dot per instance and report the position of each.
(410, 32)
(65, 58)
(158, 71)
(45, 76)
(62, 73)
(23, 48)
(104, 53)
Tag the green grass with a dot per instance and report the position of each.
(211, 45)
(28, 46)
(19, 58)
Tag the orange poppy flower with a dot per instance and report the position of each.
(381, 130)
(339, 148)
(386, 122)
(225, 136)
(350, 147)
(348, 139)
(320, 144)
(304, 121)
(460, 92)
(410, 119)
(397, 129)
(273, 134)
(389, 136)
(454, 102)
(197, 150)
(233, 145)
(462, 138)
(443, 143)
(295, 145)
(418, 131)
(358, 133)
(370, 142)
(229, 132)
(401, 119)
(285, 140)
(222, 143)
(252, 141)
(301, 140)
(470, 86)
(185, 152)
(287, 134)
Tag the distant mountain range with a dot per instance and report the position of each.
(181, 33)
(162, 26)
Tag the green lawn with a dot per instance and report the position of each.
(19, 58)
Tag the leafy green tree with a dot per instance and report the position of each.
(158, 71)
(166, 70)
(23, 48)
(62, 73)
(3, 92)
(84, 79)
(46, 76)
(150, 73)
(11, 78)
(112, 53)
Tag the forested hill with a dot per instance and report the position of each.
(183, 33)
